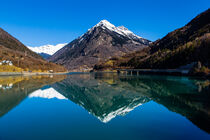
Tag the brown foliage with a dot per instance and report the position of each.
(13, 50)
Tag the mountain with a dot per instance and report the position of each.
(47, 50)
(178, 48)
(13, 50)
(98, 44)
(44, 55)
(182, 46)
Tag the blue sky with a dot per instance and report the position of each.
(40, 22)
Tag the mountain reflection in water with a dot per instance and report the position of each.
(107, 95)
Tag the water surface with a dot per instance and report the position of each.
(104, 106)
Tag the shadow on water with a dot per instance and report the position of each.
(106, 95)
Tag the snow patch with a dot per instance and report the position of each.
(120, 30)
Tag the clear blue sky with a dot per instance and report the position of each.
(40, 22)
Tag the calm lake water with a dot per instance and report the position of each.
(104, 106)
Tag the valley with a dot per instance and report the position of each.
(106, 47)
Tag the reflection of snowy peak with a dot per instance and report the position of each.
(119, 112)
(47, 93)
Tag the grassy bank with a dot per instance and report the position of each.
(7, 68)
(13, 70)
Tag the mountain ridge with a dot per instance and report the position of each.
(47, 49)
(99, 43)
(183, 46)
(20, 56)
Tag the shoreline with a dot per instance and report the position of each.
(128, 72)
(30, 73)
(169, 72)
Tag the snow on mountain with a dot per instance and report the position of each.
(47, 49)
(49, 93)
(120, 30)
(100, 43)
(119, 112)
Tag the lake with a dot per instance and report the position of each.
(101, 106)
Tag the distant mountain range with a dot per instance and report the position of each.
(183, 46)
(98, 44)
(13, 50)
(47, 50)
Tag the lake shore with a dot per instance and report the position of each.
(173, 72)
(30, 73)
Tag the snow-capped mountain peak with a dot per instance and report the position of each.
(48, 49)
(105, 23)
(120, 30)
(100, 43)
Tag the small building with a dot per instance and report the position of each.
(10, 63)
(6, 62)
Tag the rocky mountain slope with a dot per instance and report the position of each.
(180, 47)
(98, 44)
(13, 50)
(44, 55)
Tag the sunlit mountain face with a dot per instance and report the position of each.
(107, 95)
